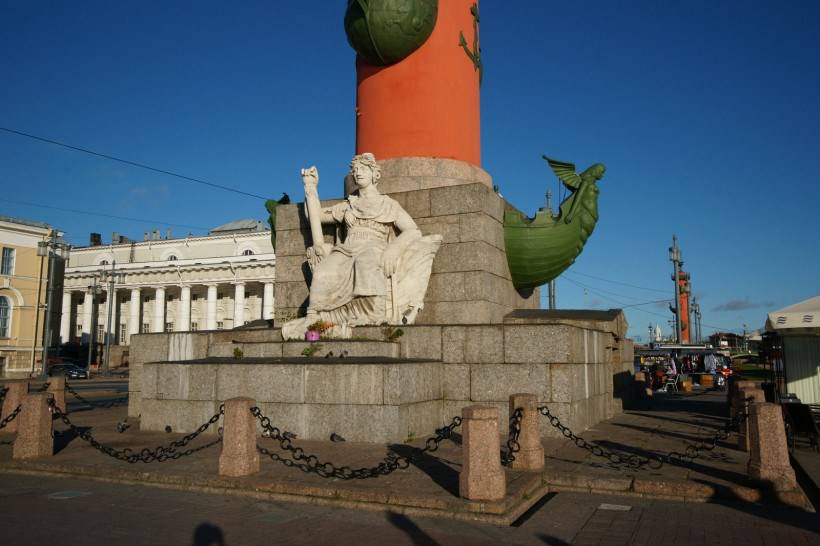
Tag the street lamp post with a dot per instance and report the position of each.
(111, 300)
(50, 248)
(92, 329)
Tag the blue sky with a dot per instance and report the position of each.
(705, 113)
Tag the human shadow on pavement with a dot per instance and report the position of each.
(552, 541)
(690, 422)
(416, 534)
(207, 534)
(64, 437)
(717, 473)
(706, 434)
(441, 473)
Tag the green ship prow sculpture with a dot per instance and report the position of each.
(541, 248)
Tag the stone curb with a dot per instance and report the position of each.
(675, 490)
(501, 513)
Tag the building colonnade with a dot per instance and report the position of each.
(164, 307)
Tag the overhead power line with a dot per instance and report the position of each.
(114, 216)
(132, 163)
(638, 305)
(604, 290)
(621, 283)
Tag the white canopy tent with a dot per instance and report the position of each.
(799, 326)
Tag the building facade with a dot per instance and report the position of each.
(23, 288)
(218, 281)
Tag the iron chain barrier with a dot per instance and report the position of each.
(8, 419)
(145, 455)
(655, 462)
(93, 404)
(513, 446)
(312, 463)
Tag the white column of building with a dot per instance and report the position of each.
(210, 317)
(184, 309)
(135, 318)
(65, 318)
(159, 310)
(88, 305)
(239, 305)
(110, 299)
(267, 301)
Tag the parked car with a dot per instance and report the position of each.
(69, 370)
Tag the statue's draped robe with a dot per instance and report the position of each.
(353, 268)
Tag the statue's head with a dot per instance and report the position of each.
(364, 170)
(595, 172)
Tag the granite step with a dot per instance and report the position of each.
(346, 348)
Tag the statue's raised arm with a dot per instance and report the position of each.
(314, 213)
(378, 273)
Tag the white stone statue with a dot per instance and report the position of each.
(379, 268)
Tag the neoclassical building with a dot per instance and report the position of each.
(23, 287)
(218, 281)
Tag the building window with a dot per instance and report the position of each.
(100, 333)
(172, 258)
(247, 252)
(220, 325)
(123, 334)
(146, 300)
(5, 311)
(170, 298)
(104, 262)
(7, 265)
(169, 326)
(194, 326)
(145, 328)
(219, 295)
(195, 297)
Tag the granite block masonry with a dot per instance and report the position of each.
(481, 477)
(530, 456)
(745, 396)
(35, 436)
(769, 453)
(14, 397)
(239, 456)
(56, 386)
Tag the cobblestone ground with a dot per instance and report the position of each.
(43, 510)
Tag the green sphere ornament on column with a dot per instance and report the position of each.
(384, 32)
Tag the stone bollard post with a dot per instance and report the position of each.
(14, 397)
(56, 386)
(481, 477)
(769, 453)
(35, 437)
(531, 455)
(239, 456)
(744, 398)
(733, 387)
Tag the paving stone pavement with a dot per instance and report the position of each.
(72, 512)
(670, 423)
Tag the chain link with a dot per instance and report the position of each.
(11, 416)
(312, 463)
(513, 446)
(145, 455)
(654, 462)
(79, 397)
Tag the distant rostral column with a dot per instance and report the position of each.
(418, 77)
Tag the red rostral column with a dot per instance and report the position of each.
(426, 105)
